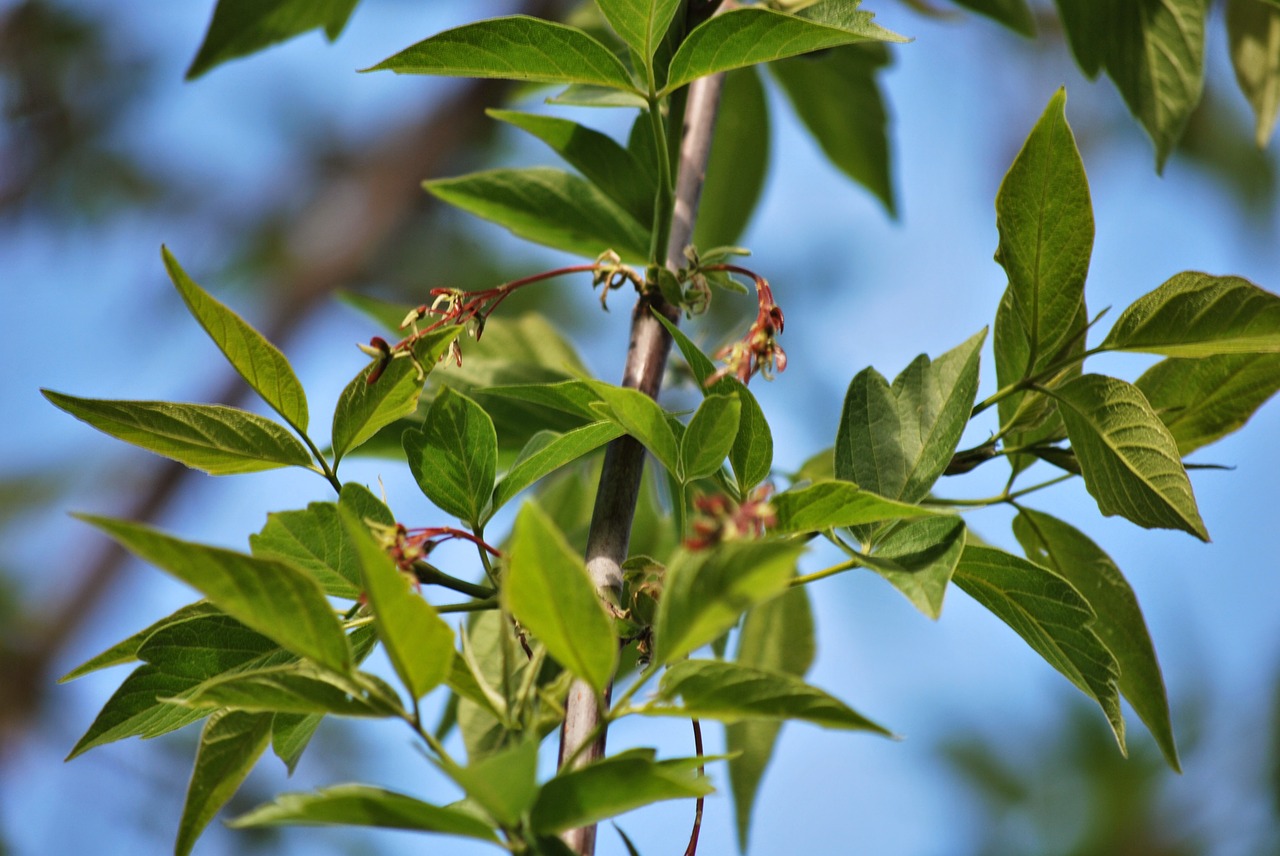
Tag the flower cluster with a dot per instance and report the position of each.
(717, 518)
(758, 351)
(409, 546)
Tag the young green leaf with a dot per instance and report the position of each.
(296, 687)
(258, 361)
(1203, 400)
(1154, 52)
(752, 454)
(706, 591)
(606, 164)
(290, 735)
(126, 650)
(738, 163)
(548, 591)
(363, 408)
(918, 558)
(312, 540)
(418, 641)
(751, 35)
(1053, 618)
(454, 458)
(732, 692)
(897, 441)
(503, 784)
(776, 636)
(1253, 27)
(554, 452)
(518, 47)
(209, 437)
(1129, 460)
(568, 396)
(1198, 315)
(1045, 219)
(610, 787)
(834, 504)
(362, 805)
(709, 437)
(278, 600)
(642, 418)
(836, 96)
(550, 207)
(176, 657)
(641, 23)
(1074, 557)
(231, 743)
(242, 27)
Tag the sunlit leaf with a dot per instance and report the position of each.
(919, 557)
(642, 418)
(835, 504)
(1204, 399)
(454, 458)
(126, 650)
(554, 452)
(709, 436)
(231, 743)
(504, 783)
(641, 23)
(313, 540)
(297, 687)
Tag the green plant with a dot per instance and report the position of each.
(269, 652)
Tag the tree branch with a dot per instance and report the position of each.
(624, 458)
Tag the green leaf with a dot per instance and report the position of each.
(1204, 399)
(418, 641)
(1129, 460)
(297, 687)
(752, 454)
(454, 458)
(177, 657)
(548, 591)
(230, 745)
(642, 418)
(290, 735)
(1120, 625)
(258, 361)
(836, 96)
(706, 591)
(1053, 618)
(1045, 219)
(278, 600)
(550, 207)
(210, 437)
(641, 23)
(1014, 14)
(518, 47)
(569, 396)
(709, 436)
(834, 504)
(751, 35)
(1152, 49)
(504, 784)
(552, 452)
(242, 27)
(738, 163)
(1198, 315)
(126, 650)
(363, 407)
(897, 441)
(776, 636)
(610, 787)
(918, 558)
(605, 163)
(1254, 30)
(362, 805)
(732, 692)
(313, 541)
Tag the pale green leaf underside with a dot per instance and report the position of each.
(212, 438)
(1129, 460)
(1202, 400)
(258, 361)
(514, 48)
(918, 559)
(363, 805)
(1197, 315)
(751, 35)
(550, 207)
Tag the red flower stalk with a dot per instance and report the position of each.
(406, 546)
(717, 518)
(758, 351)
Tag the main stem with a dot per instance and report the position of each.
(624, 458)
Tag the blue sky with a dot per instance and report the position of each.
(92, 314)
